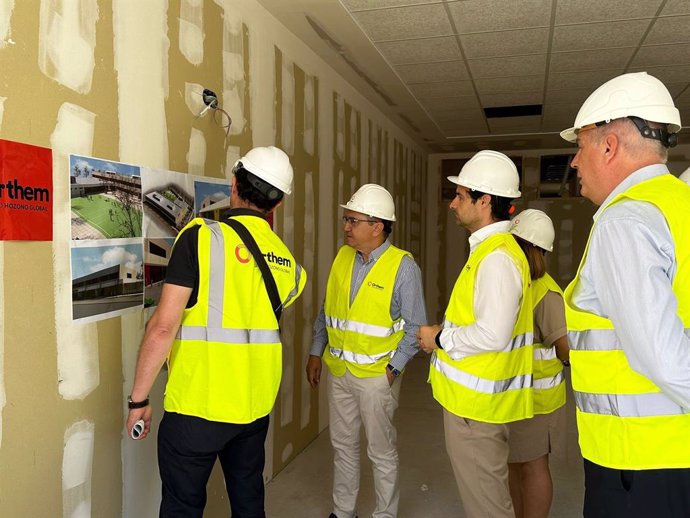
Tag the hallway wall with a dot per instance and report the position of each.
(121, 80)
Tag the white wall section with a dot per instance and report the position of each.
(192, 30)
(233, 71)
(288, 103)
(77, 461)
(6, 7)
(196, 156)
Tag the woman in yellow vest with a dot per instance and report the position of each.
(531, 487)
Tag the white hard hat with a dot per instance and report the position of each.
(636, 94)
(685, 176)
(535, 227)
(490, 172)
(373, 200)
(270, 164)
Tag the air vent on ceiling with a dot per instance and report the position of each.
(512, 111)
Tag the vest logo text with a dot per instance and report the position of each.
(375, 286)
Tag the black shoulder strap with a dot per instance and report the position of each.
(269, 281)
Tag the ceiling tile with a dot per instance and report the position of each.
(567, 95)
(500, 85)
(676, 88)
(356, 5)
(404, 22)
(683, 101)
(464, 130)
(448, 89)
(512, 66)
(433, 72)
(662, 55)
(420, 51)
(584, 11)
(467, 127)
(676, 7)
(590, 79)
(530, 124)
(505, 43)
(674, 29)
(451, 103)
(511, 99)
(456, 114)
(494, 15)
(667, 75)
(558, 117)
(588, 60)
(599, 35)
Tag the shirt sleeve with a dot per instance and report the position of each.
(320, 339)
(549, 318)
(633, 258)
(408, 303)
(183, 266)
(497, 298)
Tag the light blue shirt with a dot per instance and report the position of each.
(627, 278)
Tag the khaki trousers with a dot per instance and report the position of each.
(479, 455)
(352, 402)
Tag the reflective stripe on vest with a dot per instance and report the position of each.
(549, 382)
(359, 359)
(478, 384)
(363, 328)
(229, 336)
(624, 420)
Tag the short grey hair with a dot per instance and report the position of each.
(632, 140)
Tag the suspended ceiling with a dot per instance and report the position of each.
(434, 65)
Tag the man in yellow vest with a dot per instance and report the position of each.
(628, 308)
(366, 334)
(481, 366)
(218, 329)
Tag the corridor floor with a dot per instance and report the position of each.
(427, 486)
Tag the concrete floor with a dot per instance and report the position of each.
(428, 490)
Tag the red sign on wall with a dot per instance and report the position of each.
(26, 192)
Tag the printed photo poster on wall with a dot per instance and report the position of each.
(156, 256)
(168, 202)
(26, 192)
(211, 198)
(105, 199)
(107, 278)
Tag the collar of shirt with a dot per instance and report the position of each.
(375, 253)
(485, 232)
(244, 212)
(638, 176)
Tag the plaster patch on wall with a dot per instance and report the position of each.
(340, 127)
(66, 42)
(309, 114)
(232, 155)
(287, 231)
(6, 7)
(374, 135)
(192, 31)
(287, 451)
(77, 461)
(193, 97)
(196, 156)
(354, 143)
(2, 109)
(3, 398)
(308, 254)
(141, 49)
(288, 104)
(77, 345)
(233, 70)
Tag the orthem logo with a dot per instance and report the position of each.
(374, 285)
(242, 254)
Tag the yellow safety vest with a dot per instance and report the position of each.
(494, 387)
(623, 418)
(549, 382)
(362, 337)
(226, 362)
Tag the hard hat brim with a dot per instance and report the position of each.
(570, 134)
(484, 188)
(368, 213)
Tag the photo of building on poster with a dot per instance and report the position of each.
(156, 256)
(168, 202)
(107, 278)
(105, 198)
(211, 199)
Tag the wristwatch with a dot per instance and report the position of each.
(395, 372)
(137, 404)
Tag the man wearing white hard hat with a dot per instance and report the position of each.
(217, 326)
(685, 176)
(481, 366)
(366, 335)
(530, 439)
(628, 308)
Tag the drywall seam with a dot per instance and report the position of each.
(309, 114)
(193, 98)
(233, 70)
(141, 45)
(6, 7)
(77, 462)
(67, 41)
(196, 156)
(192, 31)
(310, 251)
(288, 105)
(77, 344)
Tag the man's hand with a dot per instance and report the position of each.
(390, 376)
(426, 337)
(314, 370)
(139, 413)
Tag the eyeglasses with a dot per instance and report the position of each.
(354, 221)
(591, 126)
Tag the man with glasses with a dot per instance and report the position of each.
(628, 308)
(366, 335)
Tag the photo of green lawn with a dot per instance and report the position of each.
(107, 216)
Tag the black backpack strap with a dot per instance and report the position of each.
(253, 248)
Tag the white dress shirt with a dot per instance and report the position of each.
(497, 297)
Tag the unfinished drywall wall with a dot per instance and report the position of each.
(122, 80)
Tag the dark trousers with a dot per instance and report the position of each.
(649, 493)
(187, 450)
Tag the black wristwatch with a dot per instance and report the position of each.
(137, 404)
(395, 372)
